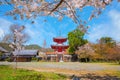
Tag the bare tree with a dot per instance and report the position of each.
(6, 38)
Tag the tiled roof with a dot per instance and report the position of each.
(26, 52)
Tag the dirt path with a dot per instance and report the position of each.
(68, 68)
(76, 66)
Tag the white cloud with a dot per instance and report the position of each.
(109, 28)
(115, 17)
(1, 33)
(4, 24)
(4, 27)
(39, 32)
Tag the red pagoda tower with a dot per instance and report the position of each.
(59, 47)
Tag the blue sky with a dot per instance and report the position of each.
(107, 24)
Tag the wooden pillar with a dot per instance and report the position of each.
(56, 58)
(63, 57)
(50, 58)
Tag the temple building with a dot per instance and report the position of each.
(60, 50)
(24, 55)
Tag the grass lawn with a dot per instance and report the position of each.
(9, 73)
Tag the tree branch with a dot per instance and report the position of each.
(8, 3)
(61, 1)
(73, 12)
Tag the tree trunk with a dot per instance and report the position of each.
(85, 59)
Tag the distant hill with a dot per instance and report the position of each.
(32, 46)
(5, 46)
(46, 50)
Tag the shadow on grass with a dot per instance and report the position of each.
(94, 77)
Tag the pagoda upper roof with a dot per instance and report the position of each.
(59, 46)
(59, 39)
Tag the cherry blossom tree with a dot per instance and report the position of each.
(57, 8)
(85, 51)
(16, 38)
